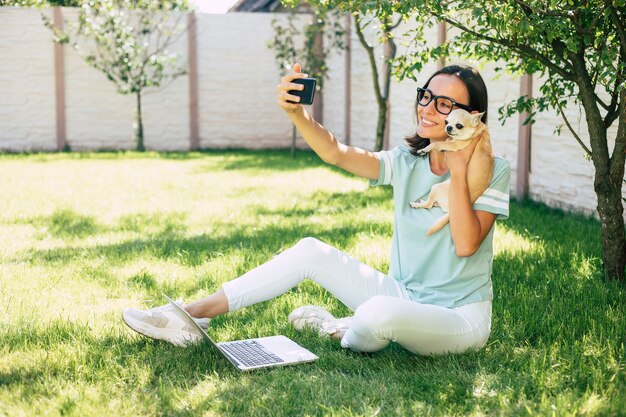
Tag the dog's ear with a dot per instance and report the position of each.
(476, 118)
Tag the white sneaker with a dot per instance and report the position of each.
(164, 323)
(317, 318)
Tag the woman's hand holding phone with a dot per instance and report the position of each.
(290, 93)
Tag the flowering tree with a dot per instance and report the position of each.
(317, 41)
(128, 41)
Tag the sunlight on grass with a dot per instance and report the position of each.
(197, 395)
(16, 238)
(372, 250)
(510, 242)
(87, 235)
(592, 405)
(483, 386)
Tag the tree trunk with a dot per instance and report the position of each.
(609, 174)
(383, 98)
(380, 100)
(608, 187)
(611, 210)
(318, 51)
(388, 55)
(139, 126)
(380, 127)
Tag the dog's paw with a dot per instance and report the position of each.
(422, 152)
(416, 204)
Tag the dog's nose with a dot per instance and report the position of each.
(449, 129)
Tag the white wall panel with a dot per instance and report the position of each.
(27, 95)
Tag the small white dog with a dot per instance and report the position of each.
(462, 127)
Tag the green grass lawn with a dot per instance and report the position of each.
(86, 235)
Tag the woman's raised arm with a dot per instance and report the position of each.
(355, 160)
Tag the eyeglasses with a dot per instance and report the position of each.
(443, 104)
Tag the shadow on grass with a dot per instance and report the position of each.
(165, 238)
(556, 328)
(90, 360)
(542, 296)
(342, 382)
(322, 202)
(267, 160)
(539, 300)
(195, 250)
(84, 349)
(66, 223)
(570, 232)
(557, 279)
(263, 161)
(224, 159)
(70, 225)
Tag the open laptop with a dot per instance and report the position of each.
(249, 354)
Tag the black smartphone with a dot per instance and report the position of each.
(306, 95)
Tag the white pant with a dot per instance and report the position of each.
(383, 311)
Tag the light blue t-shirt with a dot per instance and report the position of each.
(428, 265)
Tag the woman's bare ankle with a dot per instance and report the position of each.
(209, 307)
(339, 334)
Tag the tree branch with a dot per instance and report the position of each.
(596, 71)
(613, 110)
(566, 120)
(592, 28)
(395, 25)
(389, 54)
(528, 9)
(619, 151)
(370, 54)
(621, 32)
(610, 118)
(521, 49)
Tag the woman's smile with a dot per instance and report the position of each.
(427, 123)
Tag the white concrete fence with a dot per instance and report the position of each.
(229, 102)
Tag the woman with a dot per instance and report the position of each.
(437, 295)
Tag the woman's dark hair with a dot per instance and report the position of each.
(477, 92)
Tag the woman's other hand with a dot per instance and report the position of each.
(457, 161)
(285, 85)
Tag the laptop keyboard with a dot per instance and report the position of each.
(250, 353)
